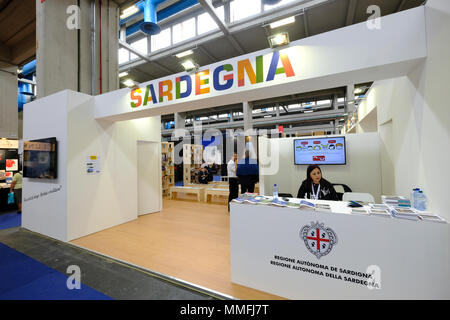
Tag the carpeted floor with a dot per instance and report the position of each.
(10, 220)
(23, 278)
(35, 267)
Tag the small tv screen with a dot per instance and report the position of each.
(320, 151)
(40, 158)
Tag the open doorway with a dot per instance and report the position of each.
(149, 177)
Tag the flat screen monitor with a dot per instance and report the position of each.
(320, 151)
(40, 158)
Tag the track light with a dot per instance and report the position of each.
(129, 83)
(282, 22)
(129, 11)
(184, 53)
(279, 39)
(189, 65)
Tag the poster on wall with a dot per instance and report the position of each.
(12, 164)
(2, 159)
(9, 144)
(8, 177)
(93, 165)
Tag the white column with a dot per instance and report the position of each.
(180, 120)
(248, 116)
(8, 102)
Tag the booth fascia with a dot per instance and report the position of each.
(110, 125)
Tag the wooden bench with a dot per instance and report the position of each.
(199, 191)
(221, 183)
(216, 192)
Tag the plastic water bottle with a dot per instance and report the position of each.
(414, 197)
(275, 192)
(421, 201)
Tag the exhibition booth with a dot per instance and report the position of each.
(109, 160)
(9, 166)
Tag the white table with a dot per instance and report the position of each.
(408, 259)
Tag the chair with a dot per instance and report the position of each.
(356, 196)
(285, 195)
(344, 186)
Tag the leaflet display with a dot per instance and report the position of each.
(320, 151)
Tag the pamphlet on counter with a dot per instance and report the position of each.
(389, 209)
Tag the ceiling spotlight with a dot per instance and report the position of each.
(359, 90)
(184, 54)
(282, 22)
(129, 11)
(129, 83)
(279, 39)
(189, 65)
(123, 74)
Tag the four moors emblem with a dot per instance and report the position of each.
(318, 239)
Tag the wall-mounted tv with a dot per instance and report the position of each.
(320, 151)
(40, 158)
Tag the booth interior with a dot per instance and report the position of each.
(10, 164)
(114, 168)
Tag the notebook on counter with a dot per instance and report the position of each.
(427, 216)
(323, 207)
(404, 213)
(306, 205)
(359, 210)
(380, 210)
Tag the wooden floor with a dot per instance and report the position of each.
(188, 240)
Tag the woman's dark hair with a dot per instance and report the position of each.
(311, 167)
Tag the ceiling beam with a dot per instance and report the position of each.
(9, 9)
(351, 12)
(183, 46)
(4, 3)
(168, 70)
(305, 24)
(146, 74)
(127, 4)
(125, 45)
(24, 50)
(24, 31)
(5, 53)
(239, 26)
(208, 54)
(207, 5)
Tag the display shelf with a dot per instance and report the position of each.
(352, 129)
(192, 161)
(167, 166)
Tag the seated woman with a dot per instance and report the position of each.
(203, 176)
(316, 187)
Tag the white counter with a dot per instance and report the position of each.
(407, 259)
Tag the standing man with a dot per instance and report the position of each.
(232, 179)
(16, 185)
(248, 173)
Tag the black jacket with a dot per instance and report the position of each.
(327, 191)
